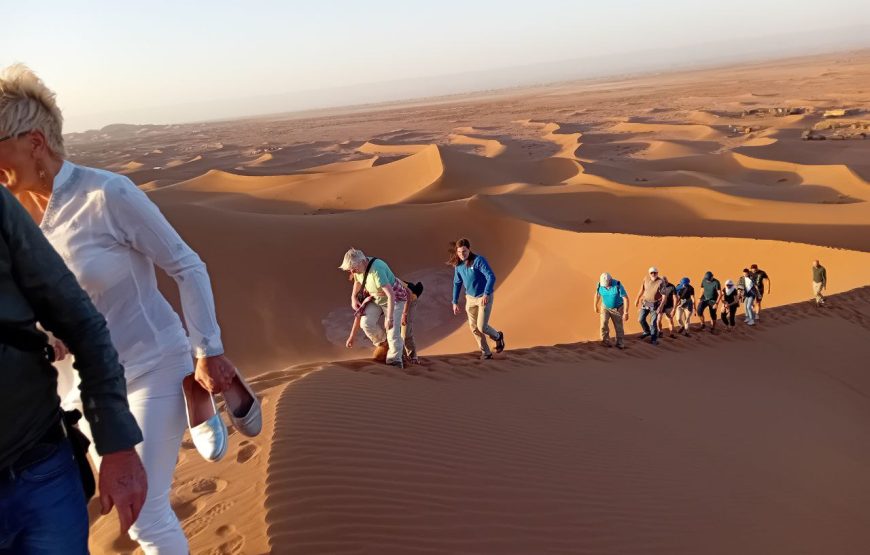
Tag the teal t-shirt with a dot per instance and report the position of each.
(379, 276)
(612, 297)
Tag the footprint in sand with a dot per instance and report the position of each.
(188, 496)
(247, 451)
(201, 523)
(229, 547)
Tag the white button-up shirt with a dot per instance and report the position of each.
(111, 235)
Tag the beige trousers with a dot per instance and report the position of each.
(684, 315)
(478, 321)
(614, 315)
(377, 332)
(817, 291)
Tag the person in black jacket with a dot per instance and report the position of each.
(50, 513)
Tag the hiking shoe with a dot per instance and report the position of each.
(654, 341)
(644, 335)
(396, 363)
(605, 343)
(499, 343)
(620, 346)
(486, 356)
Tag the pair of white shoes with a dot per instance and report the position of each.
(207, 428)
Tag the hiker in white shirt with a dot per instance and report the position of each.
(111, 236)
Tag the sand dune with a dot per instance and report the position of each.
(699, 446)
(748, 442)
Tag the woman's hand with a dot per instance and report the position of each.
(349, 342)
(455, 309)
(404, 318)
(215, 373)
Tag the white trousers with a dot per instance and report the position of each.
(157, 403)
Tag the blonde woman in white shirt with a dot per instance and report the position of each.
(111, 236)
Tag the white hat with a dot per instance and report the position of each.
(729, 282)
(604, 279)
(653, 269)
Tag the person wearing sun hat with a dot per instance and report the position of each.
(611, 303)
(648, 299)
(729, 297)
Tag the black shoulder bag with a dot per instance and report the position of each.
(361, 296)
(27, 342)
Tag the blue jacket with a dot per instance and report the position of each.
(478, 280)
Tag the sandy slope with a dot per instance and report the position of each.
(752, 442)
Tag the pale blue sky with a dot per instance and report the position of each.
(145, 61)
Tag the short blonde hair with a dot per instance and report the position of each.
(351, 258)
(26, 104)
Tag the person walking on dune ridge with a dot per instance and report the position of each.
(649, 299)
(730, 299)
(820, 282)
(668, 306)
(758, 276)
(710, 288)
(472, 271)
(749, 294)
(685, 305)
(372, 277)
(611, 294)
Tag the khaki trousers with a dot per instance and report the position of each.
(478, 321)
(614, 315)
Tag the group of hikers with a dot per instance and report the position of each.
(377, 292)
(659, 302)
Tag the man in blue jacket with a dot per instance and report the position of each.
(472, 271)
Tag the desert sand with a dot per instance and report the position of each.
(755, 441)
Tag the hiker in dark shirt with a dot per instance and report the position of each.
(50, 515)
(668, 305)
(710, 288)
(730, 299)
(685, 304)
(758, 276)
(820, 282)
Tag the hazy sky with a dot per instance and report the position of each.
(161, 61)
